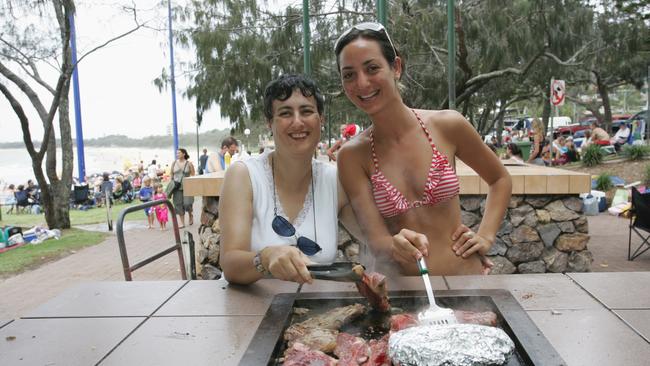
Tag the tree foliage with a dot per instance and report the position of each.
(34, 40)
(507, 51)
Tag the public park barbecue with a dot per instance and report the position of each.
(369, 331)
(321, 333)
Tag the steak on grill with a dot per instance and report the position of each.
(351, 350)
(379, 352)
(373, 287)
(320, 331)
(301, 355)
(402, 321)
(488, 318)
(406, 320)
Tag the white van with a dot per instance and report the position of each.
(558, 122)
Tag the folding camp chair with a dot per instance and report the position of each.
(81, 195)
(639, 220)
(22, 201)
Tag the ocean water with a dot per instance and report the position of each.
(16, 165)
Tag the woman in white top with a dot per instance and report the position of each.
(263, 198)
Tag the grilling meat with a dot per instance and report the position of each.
(373, 287)
(300, 355)
(406, 320)
(351, 350)
(378, 352)
(320, 331)
(471, 317)
(402, 321)
(318, 338)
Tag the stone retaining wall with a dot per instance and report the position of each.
(540, 233)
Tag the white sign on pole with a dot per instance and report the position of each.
(557, 92)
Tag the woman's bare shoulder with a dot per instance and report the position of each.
(358, 145)
(443, 119)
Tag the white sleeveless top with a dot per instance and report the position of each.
(325, 202)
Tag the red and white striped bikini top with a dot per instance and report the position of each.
(441, 185)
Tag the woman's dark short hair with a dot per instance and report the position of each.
(378, 36)
(106, 177)
(282, 88)
(185, 154)
(514, 148)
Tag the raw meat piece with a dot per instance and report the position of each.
(402, 321)
(481, 318)
(301, 355)
(378, 352)
(323, 326)
(351, 350)
(373, 287)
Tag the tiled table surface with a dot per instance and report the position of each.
(590, 318)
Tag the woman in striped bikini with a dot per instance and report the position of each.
(397, 173)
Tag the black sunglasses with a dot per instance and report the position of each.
(283, 227)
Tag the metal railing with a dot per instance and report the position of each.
(122, 245)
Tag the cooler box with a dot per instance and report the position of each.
(7, 231)
(30, 237)
(525, 149)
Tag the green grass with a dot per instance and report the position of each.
(77, 217)
(30, 256)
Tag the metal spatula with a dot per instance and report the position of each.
(340, 271)
(434, 315)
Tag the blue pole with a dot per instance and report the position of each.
(81, 164)
(171, 62)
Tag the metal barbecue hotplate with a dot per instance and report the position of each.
(268, 345)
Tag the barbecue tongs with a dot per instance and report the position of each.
(339, 271)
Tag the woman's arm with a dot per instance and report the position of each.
(404, 247)
(235, 218)
(471, 150)
(332, 150)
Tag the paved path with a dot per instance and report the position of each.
(102, 262)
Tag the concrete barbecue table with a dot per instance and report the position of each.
(589, 318)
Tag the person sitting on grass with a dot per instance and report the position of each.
(598, 135)
(621, 136)
(513, 152)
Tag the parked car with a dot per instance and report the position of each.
(572, 129)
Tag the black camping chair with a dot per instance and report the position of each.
(639, 220)
(81, 195)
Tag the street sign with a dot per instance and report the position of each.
(557, 92)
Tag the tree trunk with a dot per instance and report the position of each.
(603, 91)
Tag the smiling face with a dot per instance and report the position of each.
(368, 79)
(296, 124)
